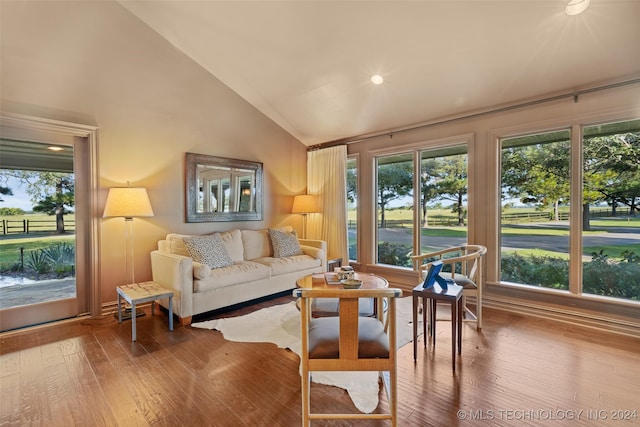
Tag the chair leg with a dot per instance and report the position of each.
(306, 399)
(393, 399)
(479, 311)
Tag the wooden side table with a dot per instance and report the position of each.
(451, 295)
(333, 263)
(139, 293)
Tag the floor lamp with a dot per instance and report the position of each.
(127, 203)
(304, 204)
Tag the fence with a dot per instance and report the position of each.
(26, 226)
(507, 218)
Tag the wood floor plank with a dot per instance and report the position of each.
(513, 372)
(34, 406)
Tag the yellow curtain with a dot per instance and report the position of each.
(327, 180)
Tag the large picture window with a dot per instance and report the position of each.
(535, 210)
(443, 198)
(352, 207)
(428, 207)
(611, 210)
(394, 189)
(539, 178)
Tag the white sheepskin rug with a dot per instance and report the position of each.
(281, 325)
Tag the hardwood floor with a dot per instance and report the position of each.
(517, 371)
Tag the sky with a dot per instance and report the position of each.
(20, 199)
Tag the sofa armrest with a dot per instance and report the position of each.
(175, 272)
(320, 244)
(316, 249)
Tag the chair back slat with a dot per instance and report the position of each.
(349, 343)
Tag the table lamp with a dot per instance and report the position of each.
(304, 204)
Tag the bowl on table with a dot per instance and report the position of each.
(351, 283)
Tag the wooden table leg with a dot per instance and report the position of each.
(454, 328)
(433, 308)
(460, 311)
(415, 326)
(426, 332)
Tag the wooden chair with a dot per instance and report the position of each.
(464, 267)
(349, 342)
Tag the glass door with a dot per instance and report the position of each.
(42, 275)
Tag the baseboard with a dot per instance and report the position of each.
(574, 317)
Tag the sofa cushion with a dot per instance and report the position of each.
(256, 243)
(284, 244)
(242, 272)
(176, 244)
(233, 242)
(209, 250)
(290, 264)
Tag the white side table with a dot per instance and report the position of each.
(139, 293)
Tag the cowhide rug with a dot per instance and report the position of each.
(280, 325)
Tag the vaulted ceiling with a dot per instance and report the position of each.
(307, 64)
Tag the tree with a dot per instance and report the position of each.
(395, 180)
(50, 192)
(352, 184)
(428, 185)
(5, 191)
(537, 174)
(451, 183)
(612, 169)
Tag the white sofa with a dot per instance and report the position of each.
(255, 272)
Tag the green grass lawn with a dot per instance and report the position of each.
(10, 247)
(38, 238)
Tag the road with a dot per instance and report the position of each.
(609, 236)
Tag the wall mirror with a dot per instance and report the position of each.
(222, 189)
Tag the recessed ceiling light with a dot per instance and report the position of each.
(377, 79)
(576, 7)
(53, 148)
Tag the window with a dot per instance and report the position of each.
(443, 198)
(421, 212)
(394, 189)
(611, 203)
(352, 207)
(537, 221)
(535, 210)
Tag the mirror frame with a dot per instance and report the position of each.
(191, 188)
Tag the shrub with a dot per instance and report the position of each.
(600, 276)
(394, 254)
(37, 262)
(11, 211)
(545, 271)
(617, 279)
(59, 259)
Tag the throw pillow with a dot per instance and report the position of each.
(209, 250)
(284, 244)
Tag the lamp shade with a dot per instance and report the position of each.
(304, 204)
(127, 202)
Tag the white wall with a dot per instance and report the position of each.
(94, 63)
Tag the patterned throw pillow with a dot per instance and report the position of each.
(209, 250)
(284, 244)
